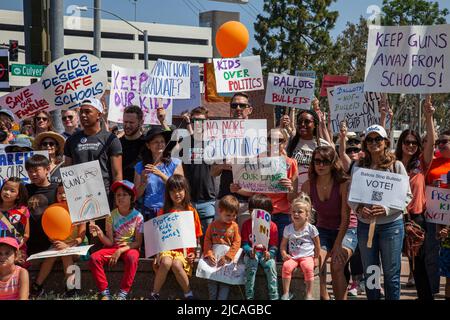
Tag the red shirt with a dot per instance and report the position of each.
(438, 167)
(247, 231)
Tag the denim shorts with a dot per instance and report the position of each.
(328, 237)
(444, 262)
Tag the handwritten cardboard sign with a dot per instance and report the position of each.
(168, 232)
(13, 164)
(408, 59)
(183, 105)
(351, 104)
(238, 74)
(127, 88)
(78, 251)
(26, 102)
(438, 205)
(71, 79)
(379, 187)
(261, 228)
(332, 81)
(262, 176)
(289, 91)
(85, 191)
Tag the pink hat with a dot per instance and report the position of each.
(10, 242)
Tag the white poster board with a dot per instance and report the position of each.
(290, 91)
(261, 228)
(232, 273)
(13, 165)
(85, 192)
(408, 59)
(168, 232)
(438, 205)
(379, 187)
(78, 251)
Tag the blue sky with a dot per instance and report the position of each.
(185, 12)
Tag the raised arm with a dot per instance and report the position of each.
(428, 150)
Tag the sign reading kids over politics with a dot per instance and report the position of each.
(408, 59)
(238, 74)
(289, 91)
(71, 79)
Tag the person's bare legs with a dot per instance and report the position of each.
(309, 288)
(323, 275)
(160, 277)
(44, 270)
(180, 275)
(340, 285)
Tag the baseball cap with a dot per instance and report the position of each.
(10, 242)
(126, 184)
(95, 103)
(8, 113)
(377, 129)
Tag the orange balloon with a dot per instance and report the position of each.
(56, 222)
(231, 39)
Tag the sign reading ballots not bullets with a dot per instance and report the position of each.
(379, 187)
(438, 205)
(289, 91)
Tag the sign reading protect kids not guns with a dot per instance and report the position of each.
(408, 59)
(85, 191)
(71, 79)
(127, 88)
(168, 232)
(289, 91)
(260, 228)
(26, 102)
(238, 74)
(438, 205)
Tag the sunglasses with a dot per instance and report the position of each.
(305, 121)
(240, 105)
(442, 141)
(413, 143)
(67, 117)
(376, 140)
(48, 144)
(352, 150)
(41, 119)
(324, 162)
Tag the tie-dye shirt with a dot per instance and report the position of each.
(125, 227)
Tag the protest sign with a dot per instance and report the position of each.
(71, 79)
(85, 191)
(238, 74)
(351, 104)
(234, 139)
(26, 102)
(438, 205)
(379, 187)
(408, 59)
(331, 81)
(262, 176)
(289, 91)
(261, 228)
(168, 232)
(232, 273)
(305, 73)
(13, 164)
(261, 110)
(78, 251)
(183, 105)
(169, 80)
(127, 87)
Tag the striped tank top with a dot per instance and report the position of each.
(9, 289)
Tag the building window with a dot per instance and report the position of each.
(105, 54)
(202, 42)
(11, 27)
(105, 35)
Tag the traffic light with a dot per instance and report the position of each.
(13, 50)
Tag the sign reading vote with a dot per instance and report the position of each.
(408, 59)
(238, 74)
(379, 187)
(351, 104)
(127, 88)
(168, 232)
(26, 102)
(73, 78)
(85, 191)
(13, 164)
(261, 228)
(438, 205)
(289, 91)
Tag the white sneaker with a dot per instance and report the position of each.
(289, 296)
(353, 289)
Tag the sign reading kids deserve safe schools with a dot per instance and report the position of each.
(238, 74)
(85, 191)
(127, 88)
(408, 59)
(168, 232)
(438, 205)
(289, 91)
(71, 79)
(26, 102)
(260, 228)
(262, 176)
(233, 139)
(351, 104)
(379, 187)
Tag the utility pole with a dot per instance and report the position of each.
(145, 49)
(97, 28)
(57, 46)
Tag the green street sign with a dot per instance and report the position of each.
(27, 70)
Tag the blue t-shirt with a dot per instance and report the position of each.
(154, 192)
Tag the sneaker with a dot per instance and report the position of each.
(36, 290)
(353, 289)
(289, 296)
(122, 295)
(105, 297)
(154, 296)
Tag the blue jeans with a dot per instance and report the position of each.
(218, 290)
(206, 211)
(270, 269)
(281, 220)
(387, 243)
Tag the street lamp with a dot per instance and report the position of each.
(144, 32)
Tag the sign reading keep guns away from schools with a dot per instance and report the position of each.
(408, 59)
(351, 104)
(238, 74)
(438, 205)
(289, 91)
(73, 78)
